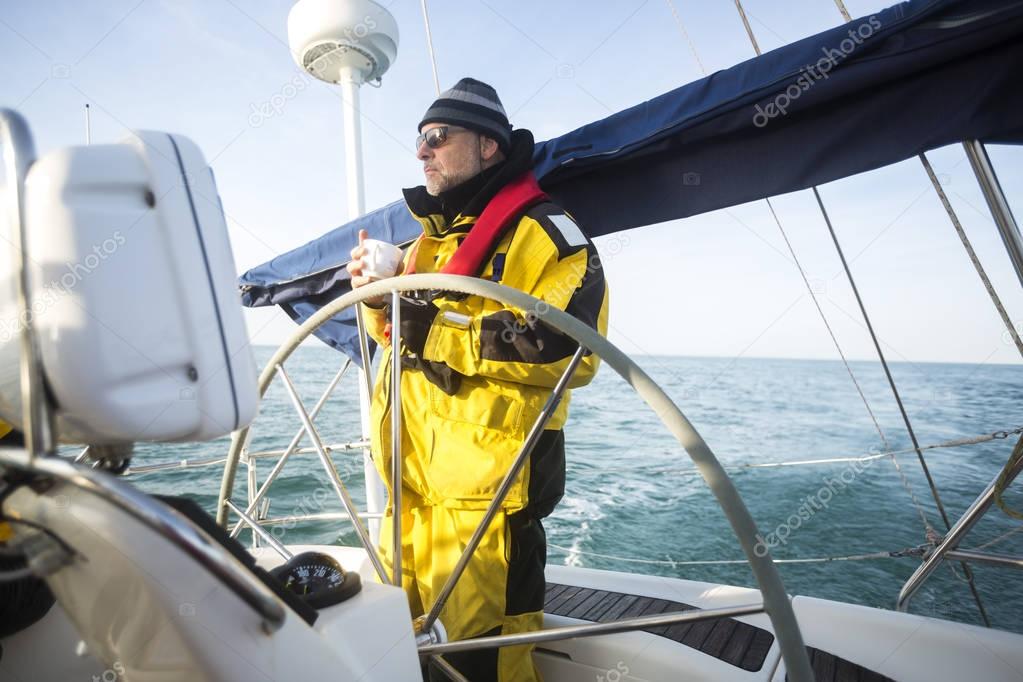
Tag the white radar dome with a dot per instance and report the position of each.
(330, 36)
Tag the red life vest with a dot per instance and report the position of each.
(510, 202)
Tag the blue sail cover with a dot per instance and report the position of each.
(880, 89)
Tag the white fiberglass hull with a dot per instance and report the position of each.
(859, 643)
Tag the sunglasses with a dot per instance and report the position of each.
(435, 137)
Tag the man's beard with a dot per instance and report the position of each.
(437, 182)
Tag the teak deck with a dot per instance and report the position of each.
(726, 639)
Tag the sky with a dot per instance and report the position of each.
(720, 284)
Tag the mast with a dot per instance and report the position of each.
(349, 43)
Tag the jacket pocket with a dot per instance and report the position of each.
(477, 406)
(478, 433)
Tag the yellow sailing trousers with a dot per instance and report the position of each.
(500, 592)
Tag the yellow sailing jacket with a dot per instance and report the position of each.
(457, 448)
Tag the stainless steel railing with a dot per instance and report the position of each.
(948, 548)
(166, 523)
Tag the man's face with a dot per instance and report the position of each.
(453, 162)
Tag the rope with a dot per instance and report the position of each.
(685, 34)
(972, 254)
(907, 552)
(843, 10)
(429, 48)
(998, 539)
(1005, 478)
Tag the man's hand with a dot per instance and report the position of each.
(355, 266)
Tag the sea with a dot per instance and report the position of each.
(634, 501)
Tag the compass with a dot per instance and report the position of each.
(317, 579)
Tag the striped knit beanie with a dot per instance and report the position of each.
(473, 105)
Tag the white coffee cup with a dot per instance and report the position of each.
(381, 259)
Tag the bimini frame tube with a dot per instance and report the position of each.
(19, 154)
(997, 203)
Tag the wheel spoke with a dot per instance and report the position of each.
(292, 446)
(448, 669)
(335, 479)
(495, 504)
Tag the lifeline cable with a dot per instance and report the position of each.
(866, 457)
(998, 539)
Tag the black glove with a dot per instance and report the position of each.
(416, 319)
(437, 373)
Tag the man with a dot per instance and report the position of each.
(476, 375)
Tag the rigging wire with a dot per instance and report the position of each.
(843, 10)
(429, 47)
(971, 253)
(685, 35)
(909, 428)
(904, 479)
(827, 325)
(749, 30)
(799, 266)
(898, 400)
(929, 530)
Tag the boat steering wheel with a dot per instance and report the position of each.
(776, 602)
